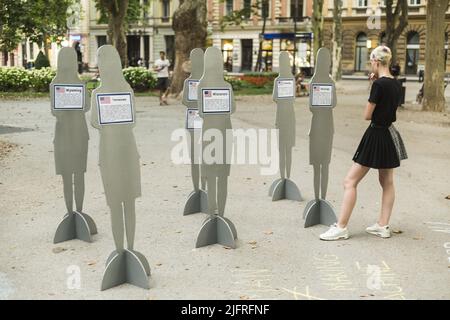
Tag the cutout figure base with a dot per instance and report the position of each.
(139, 255)
(319, 211)
(128, 266)
(75, 225)
(217, 229)
(196, 202)
(284, 189)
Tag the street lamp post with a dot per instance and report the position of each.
(295, 35)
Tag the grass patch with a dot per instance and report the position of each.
(253, 91)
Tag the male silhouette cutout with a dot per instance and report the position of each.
(120, 171)
(71, 149)
(197, 200)
(216, 228)
(320, 211)
(285, 188)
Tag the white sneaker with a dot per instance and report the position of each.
(335, 233)
(376, 229)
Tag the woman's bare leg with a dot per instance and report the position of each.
(386, 177)
(354, 176)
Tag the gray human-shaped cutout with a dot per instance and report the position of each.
(197, 199)
(285, 188)
(71, 145)
(322, 100)
(120, 172)
(216, 228)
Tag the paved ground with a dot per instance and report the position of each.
(276, 257)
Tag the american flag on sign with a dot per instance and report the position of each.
(60, 89)
(208, 94)
(105, 100)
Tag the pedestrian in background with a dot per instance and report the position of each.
(162, 68)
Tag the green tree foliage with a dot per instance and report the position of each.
(40, 20)
(120, 15)
(11, 15)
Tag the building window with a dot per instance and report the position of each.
(248, 8)
(266, 55)
(362, 53)
(247, 54)
(299, 12)
(227, 53)
(146, 9)
(229, 7)
(288, 46)
(101, 40)
(414, 2)
(361, 3)
(265, 9)
(412, 52)
(165, 11)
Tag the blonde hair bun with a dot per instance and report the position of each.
(382, 54)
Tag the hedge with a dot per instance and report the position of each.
(19, 79)
(16, 79)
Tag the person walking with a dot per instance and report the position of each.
(381, 148)
(162, 68)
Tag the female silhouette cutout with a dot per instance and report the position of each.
(197, 199)
(216, 228)
(285, 119)
(70, 150)
(322, 128)
(216, 173)
(285, 188)
(320, 211)
(120, 171)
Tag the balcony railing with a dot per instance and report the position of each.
(286, 20)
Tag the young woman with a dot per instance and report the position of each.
(381, 148)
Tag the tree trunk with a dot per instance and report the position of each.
(45, 44)
(120, 39)
(433, 99)
(261, 39)
(116, 12)
(189, 24)
(109, 32)
(317, 25)
(337, 40)
(396, 22)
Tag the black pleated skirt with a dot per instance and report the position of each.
(380, 148)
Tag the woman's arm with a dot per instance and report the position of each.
(369, 110)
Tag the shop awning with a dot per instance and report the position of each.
(288, 35)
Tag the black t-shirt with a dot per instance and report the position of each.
(385, 93)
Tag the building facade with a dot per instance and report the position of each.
(362, 33)
(240, 44)
(145, 38)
